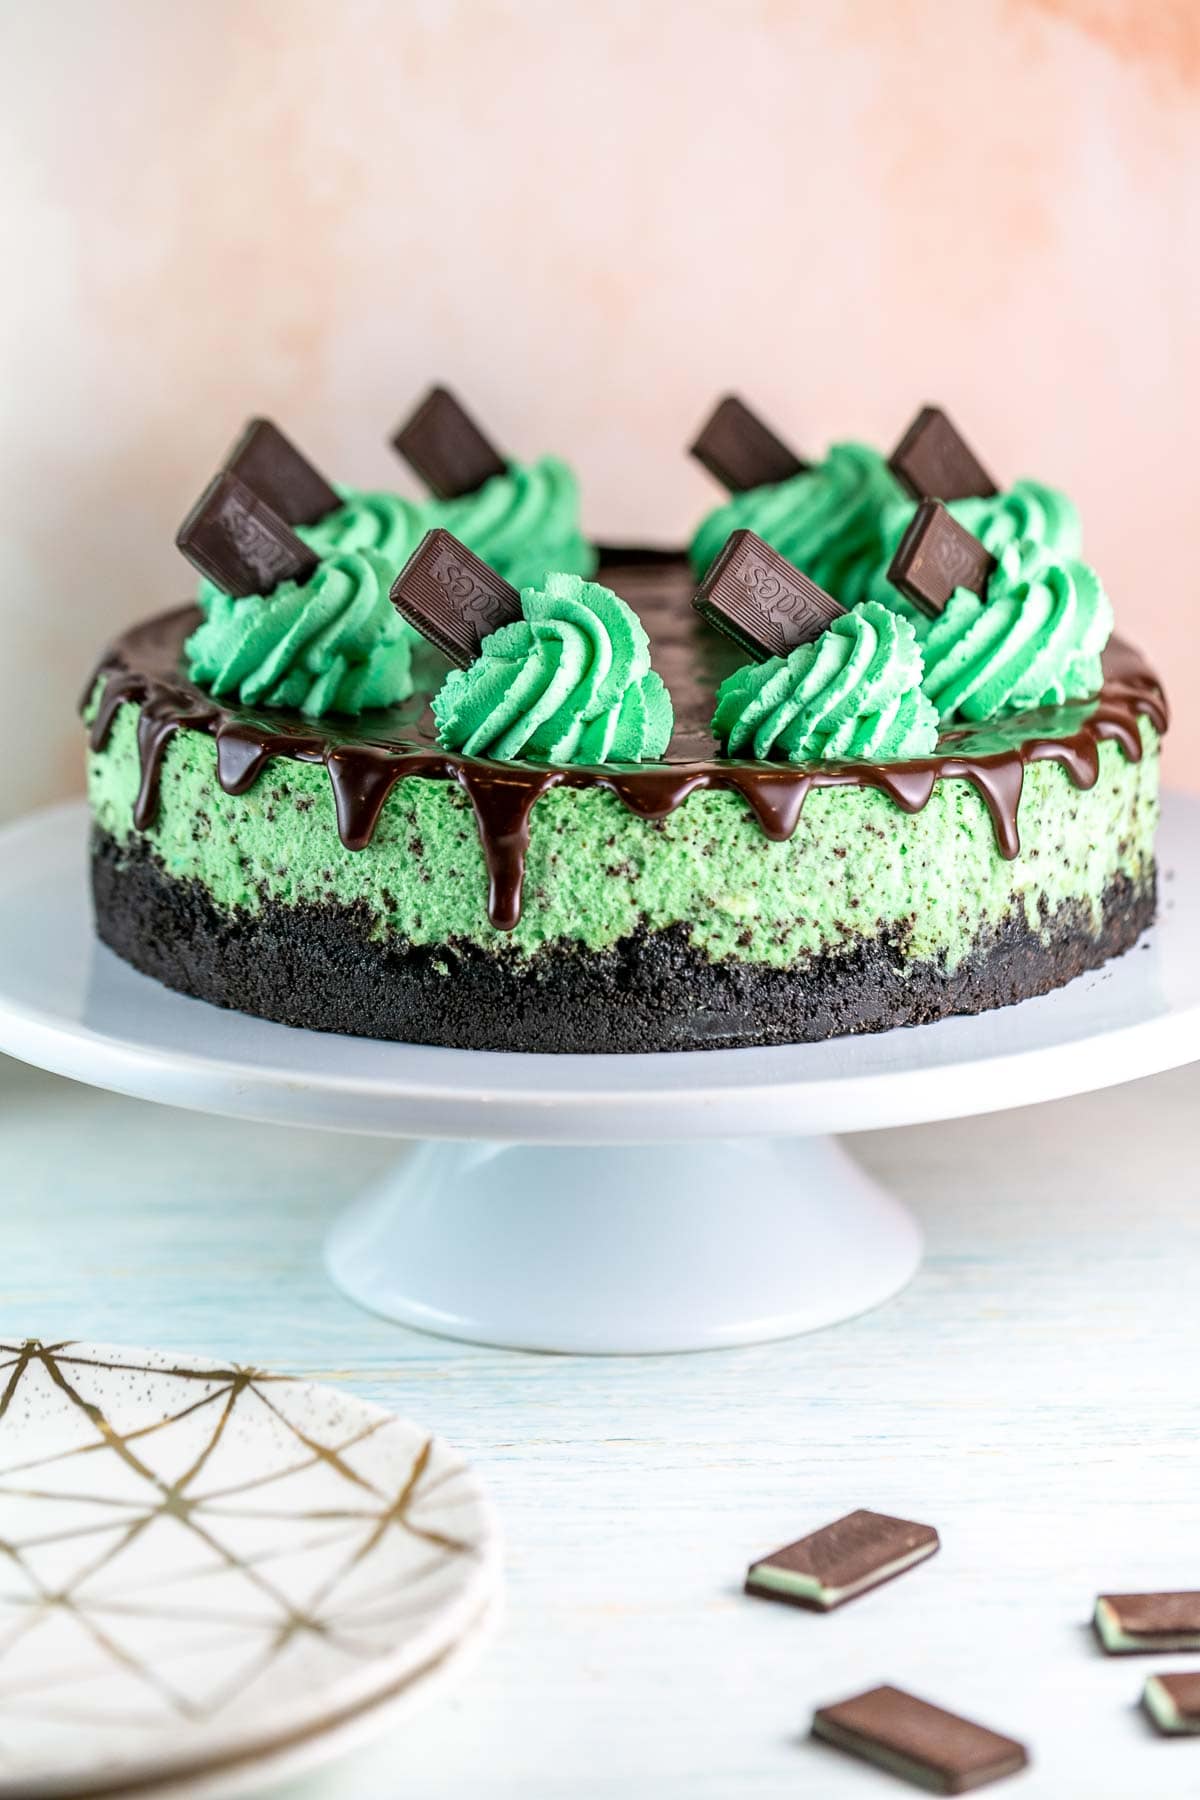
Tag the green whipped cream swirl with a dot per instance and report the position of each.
(854, 692)
(332, 644)
(1028, 513)
(369, 521)
(382, 522)
(524, 523)
(1037, 522)
(1035, 641)
(826, 521)
(570, 682)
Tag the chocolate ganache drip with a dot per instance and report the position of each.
(367, 756)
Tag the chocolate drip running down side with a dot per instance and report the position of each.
(365, 758)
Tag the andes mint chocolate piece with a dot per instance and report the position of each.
(1128, 1624)
(742, 452)
(1173, 1702)
(841, 1560)
(452, 598)
(273, 468)
(934, 463)
(937, 555)
(446, 448)
(933, 1749)
(763, 602)
(240, 542)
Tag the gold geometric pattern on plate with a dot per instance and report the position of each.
(200, 1561)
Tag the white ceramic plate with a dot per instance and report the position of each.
(207, 1569)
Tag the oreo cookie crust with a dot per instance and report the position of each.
(318, 966)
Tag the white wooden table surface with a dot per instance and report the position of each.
(1032, 1394)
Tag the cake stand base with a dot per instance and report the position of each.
(730, 1219)
(649, 1248)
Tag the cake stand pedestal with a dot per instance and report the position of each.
(594, 1203)
(668, 1246)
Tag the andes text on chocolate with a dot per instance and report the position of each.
(452, 598)
(937, 555)
(758, 598)
(240, 542)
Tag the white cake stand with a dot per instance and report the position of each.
(594, 1203)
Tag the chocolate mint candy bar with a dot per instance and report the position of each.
(452, 598)
(742, 452)
(933, 1749)
(935, 463)
(445, 446)
(763, 602)
(1127, 1624)
(841, 1560)
(1173, 1702)
(937, 555)
(240, 542)
(273, 468)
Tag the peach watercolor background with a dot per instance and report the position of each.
(590, 219)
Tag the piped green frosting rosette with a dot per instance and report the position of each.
(1037, 521)
(332, 644)
(826, 521)
(854, 692)
(524, 523)
(1041, 518)
(381, 522)
(1035, 641)
(570, 682)
(385, 523)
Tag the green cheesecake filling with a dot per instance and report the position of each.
(856, 866)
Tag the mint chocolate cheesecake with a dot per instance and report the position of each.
(431, 804)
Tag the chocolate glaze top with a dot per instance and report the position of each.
(367, 756)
